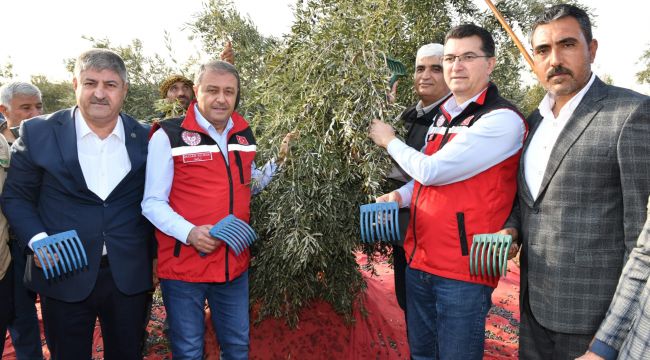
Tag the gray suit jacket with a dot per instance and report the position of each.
(627, 325)
(578, 232)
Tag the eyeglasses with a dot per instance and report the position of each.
(464, 58)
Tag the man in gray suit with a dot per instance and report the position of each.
(625, 333)
(583, 181)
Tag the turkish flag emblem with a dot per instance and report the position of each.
(241, 140)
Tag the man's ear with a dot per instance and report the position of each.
(75, 83)
(492, 62)
(593, 47)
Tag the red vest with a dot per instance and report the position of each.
(445, 218)
(205, 189)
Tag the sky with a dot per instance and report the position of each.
(39, 34)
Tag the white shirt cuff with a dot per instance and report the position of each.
(39, 236)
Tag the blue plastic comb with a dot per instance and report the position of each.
(234, 232)
(379, 222)
(66, 247)
(492, 251)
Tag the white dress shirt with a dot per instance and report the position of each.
(497, 136)
(160, 175)
(543, 141)
(104, 162)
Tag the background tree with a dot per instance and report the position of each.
(643, 76)
(55, 95)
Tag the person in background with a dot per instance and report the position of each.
(20, 101)
(431, 90)
(6, 269)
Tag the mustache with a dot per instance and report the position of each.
(558, 70)
(94, 100)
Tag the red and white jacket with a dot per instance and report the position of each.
(444, 218)
(205, 189)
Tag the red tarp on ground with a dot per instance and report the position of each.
(321, 334)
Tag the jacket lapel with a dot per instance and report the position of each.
(66, 136)
(533, 121)
(133, 142)
(575, 126)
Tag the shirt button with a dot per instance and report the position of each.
(105, 205)
(104, 233)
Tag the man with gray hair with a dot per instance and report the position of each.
(431, 89)
(83, 169)
(20, 101)
(200, 170)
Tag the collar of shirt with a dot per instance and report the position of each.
(453, 109)
(423, 110)
(546, 106)
(83, 130)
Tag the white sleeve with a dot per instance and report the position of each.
(406, 193)
(495, 137)
(158, 184)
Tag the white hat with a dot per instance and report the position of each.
(429, 50)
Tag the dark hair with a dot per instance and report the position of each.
(468, 30)
(557, 12)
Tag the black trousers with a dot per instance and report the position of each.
(6, 304)
(539, 343)
(70, 326)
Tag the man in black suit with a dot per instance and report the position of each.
(431, 89)
(83, 169)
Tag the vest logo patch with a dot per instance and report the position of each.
(190, 138)
(467, 120)
(241, 140)
(197, 157)
(431, 136)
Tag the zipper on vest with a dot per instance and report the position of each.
(240, 166)
(230, 203)
(415, 237)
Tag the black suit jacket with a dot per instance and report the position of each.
(46, 192)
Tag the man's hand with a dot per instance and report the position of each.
(284, 147)
(391, 96)
(51, 259)
(381, 133)
(590, 356)
(514, 248)
(200, 238)
(227, 54)
(390, 197)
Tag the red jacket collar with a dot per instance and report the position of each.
(190, 123)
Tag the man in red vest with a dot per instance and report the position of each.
(200, 170)
(464, 184)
